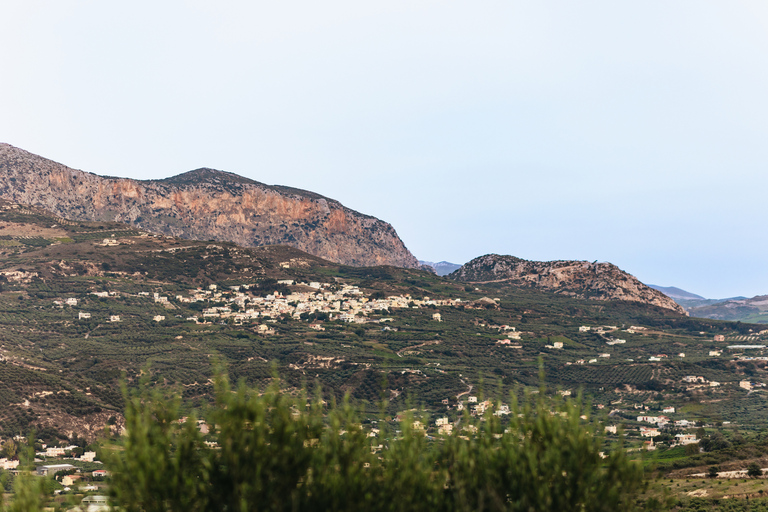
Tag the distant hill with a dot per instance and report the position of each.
(741, 309)
(206, 204)
(442, 268)
(676, 293)
(581, 279)
(754, 310)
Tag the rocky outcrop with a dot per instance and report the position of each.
(206, 204)
(580, 279)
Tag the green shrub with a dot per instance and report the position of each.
(279, 451)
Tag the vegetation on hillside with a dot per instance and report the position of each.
(279, 451)
(60, 371)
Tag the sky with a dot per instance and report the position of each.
(629, 132)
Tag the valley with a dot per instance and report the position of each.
(93, 303)
(89, 309)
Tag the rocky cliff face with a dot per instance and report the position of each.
(206, 204)
(581, 279)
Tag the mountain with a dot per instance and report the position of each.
(206, 204)
(754, 310)
(441, 268)
(741, 309)
(580, 279)
(676, 293)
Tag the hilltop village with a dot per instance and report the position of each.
(346, 303)
(323, 300)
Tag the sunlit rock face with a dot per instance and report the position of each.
(206, 204)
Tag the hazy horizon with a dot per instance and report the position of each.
(593, 131)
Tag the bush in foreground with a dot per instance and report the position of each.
(280, 452)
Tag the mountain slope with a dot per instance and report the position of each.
(742, 309)
(676, 293)
(206, 204)
(582, 279)
(754, 310)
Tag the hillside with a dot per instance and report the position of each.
(754, 310)
(742, 309)
(581, 279)
(206, 204)
(82, 304)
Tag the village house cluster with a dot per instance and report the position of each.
(53, 459)
(443, 425)
(62, 451)
(346, 303)
(663, 421)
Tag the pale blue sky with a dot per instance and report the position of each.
(630, 132)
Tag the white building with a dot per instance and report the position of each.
(685, 439)
(657, 420)
(503, 410)
(88, 456)
(9, 464)
(54, 451)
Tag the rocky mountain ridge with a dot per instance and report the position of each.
(579, 279)
(206, 204)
